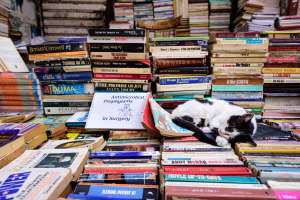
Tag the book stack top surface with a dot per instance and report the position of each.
(64, 70)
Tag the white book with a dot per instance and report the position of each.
(73, 159)
(10, 59)
(284, 185)
(117, 111)
(217, 185)
(29, 184)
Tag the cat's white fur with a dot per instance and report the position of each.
(216, 114)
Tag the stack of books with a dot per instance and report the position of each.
(287, 23)
(163, 9)
(119, 60)
(282, 80)
(237, 61)
(4, 8)
(64, 71)
(254, 15)
(191, 169)
(274, 160)
(124, 13)
(198, 11)
(181, 68)
(119, 174)
(143, 11)
(219, 17)
(19, 88)
(72, 18)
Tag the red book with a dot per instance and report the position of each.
(123, 76)
(118, 171)
(198, 170)
(293, 7)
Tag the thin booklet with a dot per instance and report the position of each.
(117, 111)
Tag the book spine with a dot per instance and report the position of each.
(114, 39)
(64, 110)
(131, 48)
(202, 43)
(179, 55)
(20, 103)
(66, 104)
(48, 70)
(238, 35)
(117, 32)
(284, 48)
(238, 81)
(65, 55)
(191, 80)
(123, 76)
(62, 63)
(280, 80)
(68, 89)
(289, 59)
(66, 76)
(285, 75)
(118, 56)
(111, 70)
(184, 70)
(238, 60)
(243, 41)
(25, 76)
(175, 49)
(187, 87)
(109, 63)
(237, 64)
(169, 63)
(236, 88)
(119, 87)
(281, 70)
(20, 93)
(237, 70)
(244, 55)
(55, 48)
(88, 170)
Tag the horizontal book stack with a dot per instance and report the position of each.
(125, 174)
(282, 80)
(181, 69)
(19, 88)
(219, 17)
(119, 60)
(287, 23)
(198, 11)
(64, 71)
(237, 61)
(163, 9)
(4, 8)
(275, 160)
(124, 12)
(71, 17)
(191, 169)
(143, 11)
(254, 15)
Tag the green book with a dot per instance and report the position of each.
(237, 88)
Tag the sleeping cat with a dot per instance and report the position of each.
(216, 121)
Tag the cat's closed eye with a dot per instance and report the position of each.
(229, 129)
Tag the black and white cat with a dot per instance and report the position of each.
(216, 121)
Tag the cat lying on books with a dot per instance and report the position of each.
(216, 121)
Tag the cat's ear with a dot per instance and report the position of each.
(247, 118)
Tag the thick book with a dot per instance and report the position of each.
(117, 32)
(118, 111)
(72, 159)
(115, 47)
(55, 48)
(68, 89)
(42, 184)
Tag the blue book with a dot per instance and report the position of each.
(188, 80)
(124, 155)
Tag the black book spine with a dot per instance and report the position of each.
(184, 70)
(99, 63)
(56, 48)
(95, 47)
(61, 63)
(67, 104)
(117, 32)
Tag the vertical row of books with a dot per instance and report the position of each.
(4, 12)
(64, 71)
(119, 60)
(191, 169)
(237, 61)
(282, 80)
(219, 16)
(128, 168)
(181, 69)
(72, 18)
(255, 15)
(198, 11)
(274, 161)
(19, 88)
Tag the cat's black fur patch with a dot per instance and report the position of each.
(205, 101)
(201, 123)
(241, 123)
(188, 118)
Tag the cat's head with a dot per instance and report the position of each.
(241, 128)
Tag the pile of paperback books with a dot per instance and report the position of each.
(198, 12)
(124, 13)
(181, 68)
(64, 71)
(119, 60)
(191, 169)
(163, 9)
(237, 61)
(219, 18)
(124, 174)
(282, 80)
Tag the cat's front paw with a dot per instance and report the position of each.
(222, 142)
(206, 130)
